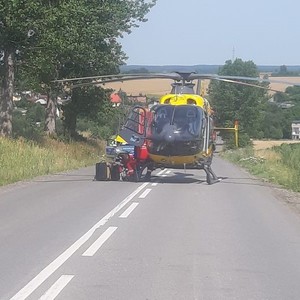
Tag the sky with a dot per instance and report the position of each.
(209, 32)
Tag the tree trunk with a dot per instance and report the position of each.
(6, 101)
(50, 118)
(70, 121)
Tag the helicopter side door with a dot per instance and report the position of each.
(134, 129)
(208, 133)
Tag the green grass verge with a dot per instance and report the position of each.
(21, 159)
(280, 165)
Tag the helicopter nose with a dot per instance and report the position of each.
(169, 134)
(170, 137)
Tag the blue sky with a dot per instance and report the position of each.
(189, 32)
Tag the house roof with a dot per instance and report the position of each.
(115, 98)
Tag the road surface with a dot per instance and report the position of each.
(69, 237)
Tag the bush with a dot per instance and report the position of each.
(96, 130)
(229, 139)
(23, 127)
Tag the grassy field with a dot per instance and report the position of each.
(277, 164)
(20, 159)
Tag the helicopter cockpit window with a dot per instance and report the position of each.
(135, 121)
(182, 122)
(188, 120)
(191, 102)
(163, 116)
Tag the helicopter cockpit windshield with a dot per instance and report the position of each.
(180, 123)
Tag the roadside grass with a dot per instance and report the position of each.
(279, 164)
(22, 159)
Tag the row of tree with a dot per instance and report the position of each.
(258, 116)
(42, 41)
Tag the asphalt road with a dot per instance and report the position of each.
(69, 237)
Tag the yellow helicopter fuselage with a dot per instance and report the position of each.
(203, 151)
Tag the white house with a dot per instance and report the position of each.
(296, 130)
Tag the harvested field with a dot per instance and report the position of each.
(260, 145)
(146, 86)
(163, 86)
(282, 86)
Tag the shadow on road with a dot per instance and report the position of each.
(66, 178)
(180, 178)
(244, 181)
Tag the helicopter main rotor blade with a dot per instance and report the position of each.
(122, 79)
(247, 84)
(269, 80)
(237, 78)
(176, 76)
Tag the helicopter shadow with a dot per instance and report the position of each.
(178, 178)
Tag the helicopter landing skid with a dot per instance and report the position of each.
(211, 177)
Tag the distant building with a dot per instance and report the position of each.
(115, 99)
(296, 130)
(137, 99)
(286, 105)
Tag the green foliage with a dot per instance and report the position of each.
(28, 125)
(280, 165)
(21, 159)
(257, 117)
(229, 139)
(238, 102)
(284, 71)
(89, 102)
(276, 122)
(73, 38)
(23, 128)
(141, 70)
(290, 156)
(102, 132)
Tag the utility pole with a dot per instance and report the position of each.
(233, 54)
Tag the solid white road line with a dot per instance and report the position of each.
(100, 241)
(57, 287)
(129, 210)
(154, 184)
(168, 172)
(145, 193)
(52, 267)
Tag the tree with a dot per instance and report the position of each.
(71, 38)
(238, 102)
(17, 32)
(103, 53)
(283, 70)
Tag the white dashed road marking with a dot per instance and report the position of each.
(145, 193)
(129, 210)
(57, 287)
(62, 258)
(99, 242)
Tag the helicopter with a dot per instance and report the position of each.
(178, 132)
